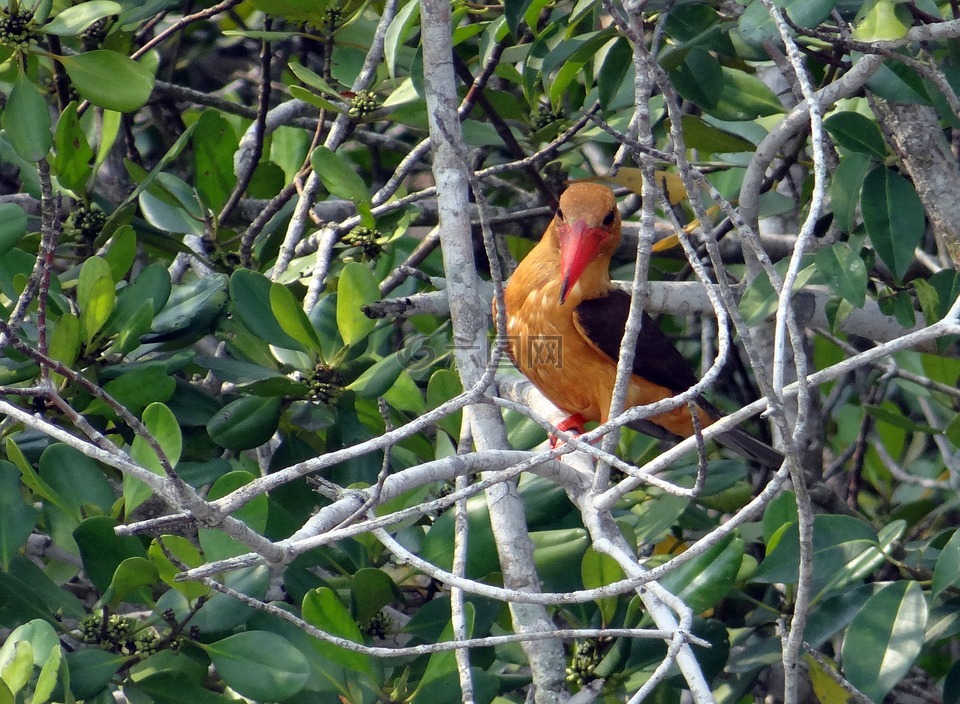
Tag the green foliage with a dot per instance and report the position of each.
(229, 350)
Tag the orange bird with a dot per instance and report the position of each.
(565, 321)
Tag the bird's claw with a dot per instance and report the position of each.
(574, 424)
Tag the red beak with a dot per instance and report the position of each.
(579, 245)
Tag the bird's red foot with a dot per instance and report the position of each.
(574, 423)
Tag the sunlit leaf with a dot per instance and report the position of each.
(73, 20)
(885, 638)
(357, 288)
(322, 608)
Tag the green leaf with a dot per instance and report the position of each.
(372, 589)
(699, 79)
(17, 519)
(293, 321)
(72, 161)
(18, 670)
(946, 572)
(74, 20)
(48, 677)
(245, 423)
(846, 186)
(879, 21)
(756, 25)
(259, 665)
(439, 681)
(514, 11)
(218, 545)
(26, 120)
(110, 80)
(743, 97)
(100, 303)
(598, 570)
(844, 271)
(759, 301)
(339, 176)
(96, 295)
(838, 542)
(405, 22)
(64, 341)
(214, 143)
(13, 226)
(615, 73)
(316, 81)
(132, 580)
(297, 10)
(856, 133)
(138, 388)
(322, 608)
(102, 550)
(380, 376)
(893, 216)
(163, 426)
(250, 293)
(91, 670)
(191, 310)
(699, 134)
(357, 287)
(885, 638)
(186, 554)
(122, 252)
(704, 580)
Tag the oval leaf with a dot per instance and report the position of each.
(13, 226)
(260, 665)
(109, 80)
(856, 133)
(357, 288)
(74, 20)
(26, 120)
(292, 319)
(338, 176)
(893, 216)
(245, 423)
(322, 608)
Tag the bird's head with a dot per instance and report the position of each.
(587, 225)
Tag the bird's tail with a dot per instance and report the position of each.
(742, 442)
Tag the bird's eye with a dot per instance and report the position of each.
(559, 214)
(608, 220)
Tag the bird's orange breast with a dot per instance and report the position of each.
(548, 348)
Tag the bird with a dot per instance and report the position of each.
(565, 320)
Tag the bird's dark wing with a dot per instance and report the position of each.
(602, 322)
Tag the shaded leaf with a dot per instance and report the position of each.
(893, 216)
(26, 120)
(844, 271)
(245, 423)
(857, 133)
(259, 665)
(109, 80)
